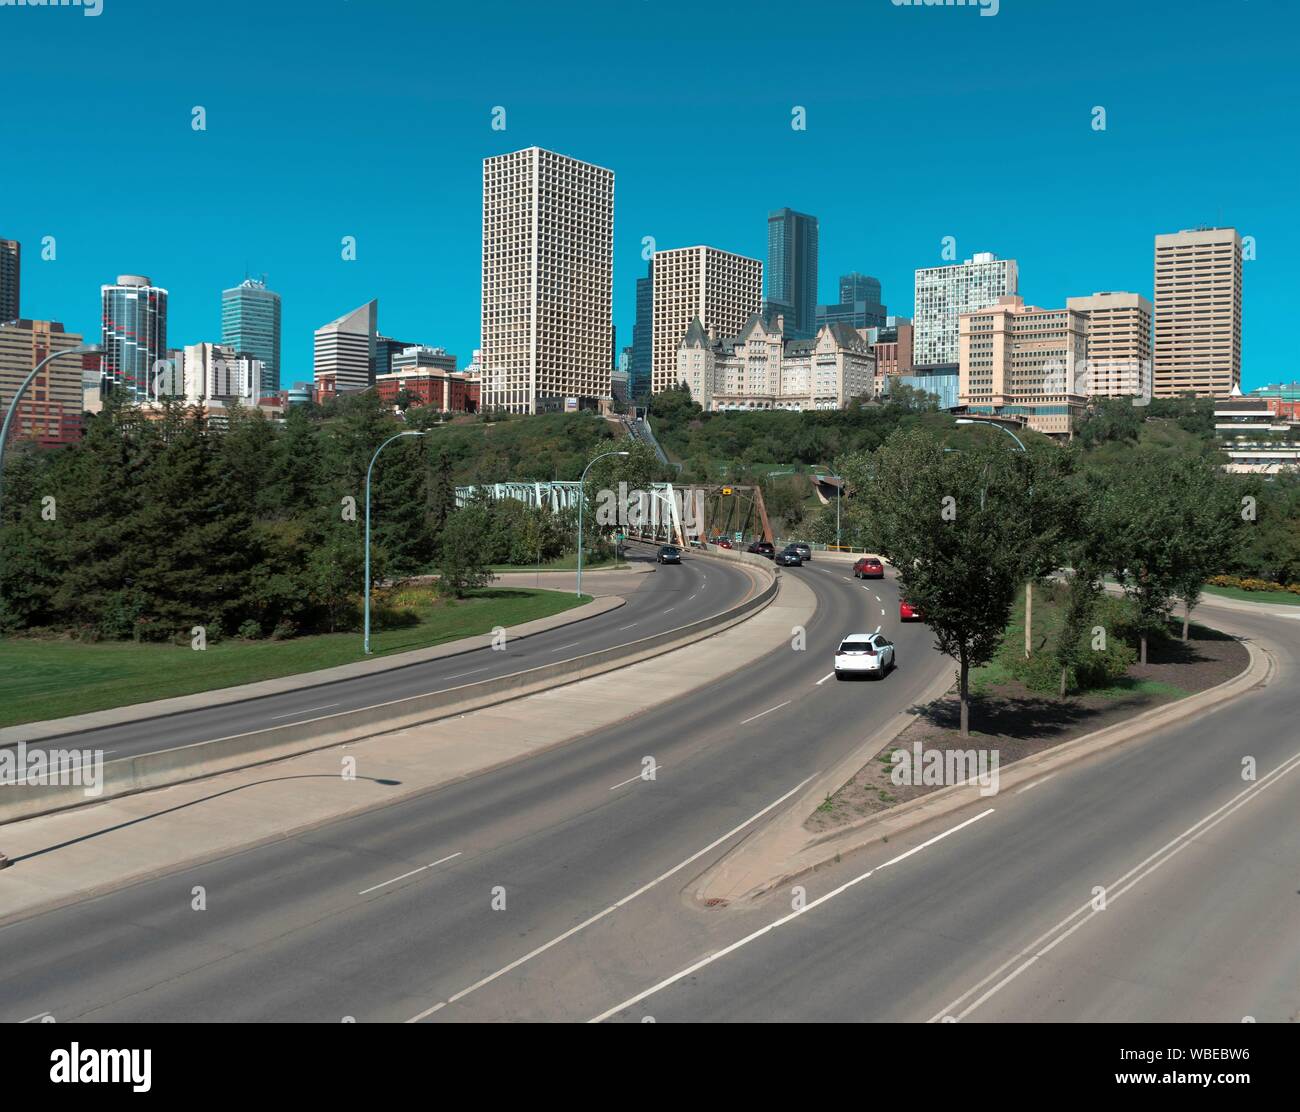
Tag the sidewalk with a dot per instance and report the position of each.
(607, 589)
(65, 856)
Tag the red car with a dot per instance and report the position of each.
(909, 613)
(869, 568)
(723, 542)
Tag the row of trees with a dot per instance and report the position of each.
(148, 527)
(967, 530)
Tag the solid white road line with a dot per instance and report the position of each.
(780, 922)
(34, 1018)
(292, 713)
(768, 711)
(1113, 892)
(623, 783)
(611, 909)
(421, 869)
(825, 678)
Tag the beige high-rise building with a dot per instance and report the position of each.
(1020, 360)
(1197, 344)
(548, 281)
(50, 412)
(718, 288)
(1119, 345)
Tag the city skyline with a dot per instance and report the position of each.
(418, 247)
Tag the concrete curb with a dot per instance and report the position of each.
(209, 758)
(783, 851)
(53, 728)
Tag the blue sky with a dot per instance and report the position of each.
(371, 118)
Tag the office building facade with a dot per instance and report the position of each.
(1197, 345)
(859, 305)
(792, 271)
(50, 412)
(134, 333)
(720, 289)
(250, 324)
(641, 351)
(1119, 345)
(344, 352)
(1020, 360)
(944, 293)
(548, 267)
(11, 260)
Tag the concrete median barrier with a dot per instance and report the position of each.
(208, 758)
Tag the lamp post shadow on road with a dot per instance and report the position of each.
(582, 499)
(369, 470)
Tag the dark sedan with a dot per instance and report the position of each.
(762, 548)
(670, 555)
(789, 558)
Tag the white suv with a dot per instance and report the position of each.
(864, 654)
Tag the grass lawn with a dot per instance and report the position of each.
(51, 678)
(563, 563)
(1285, 598)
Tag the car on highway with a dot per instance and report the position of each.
(865, 654)
(670, 555)
(789, 557)
(805, 551)
(909, 613)
(722, 542)
(868, 568)
(762, 548)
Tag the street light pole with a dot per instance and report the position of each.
(396, 436)
(582, 499)
(84, 349)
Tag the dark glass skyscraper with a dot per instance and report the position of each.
(792, 270)
(10, 272)
(250, 323)
(638, 373)
(860, 305)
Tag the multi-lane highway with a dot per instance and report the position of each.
(558, 887)
(661, 601)
(318, 926)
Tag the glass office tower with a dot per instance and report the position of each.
(250, 323)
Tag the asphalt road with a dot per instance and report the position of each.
(327, 924)
(669, 597)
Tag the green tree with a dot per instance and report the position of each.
(461, 565)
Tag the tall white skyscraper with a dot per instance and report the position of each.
(944, 293)
(345, 350)
(548, 279)
(722, 290)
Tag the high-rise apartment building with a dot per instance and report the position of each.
(1197, 347)
(639, 362)
(859, 305)
(548, 269)
(11, 258)
(718, 288)
(1020, 360)
(50, 412)
(217, 372)
(1119, 345)
(792, 271)
(344, 358)
(250, 323)
(134, 333)
(944, 293)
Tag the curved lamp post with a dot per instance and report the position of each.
(582, 498)
(83, 349)
(369, 469)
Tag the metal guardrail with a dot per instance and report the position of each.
(209, 758)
